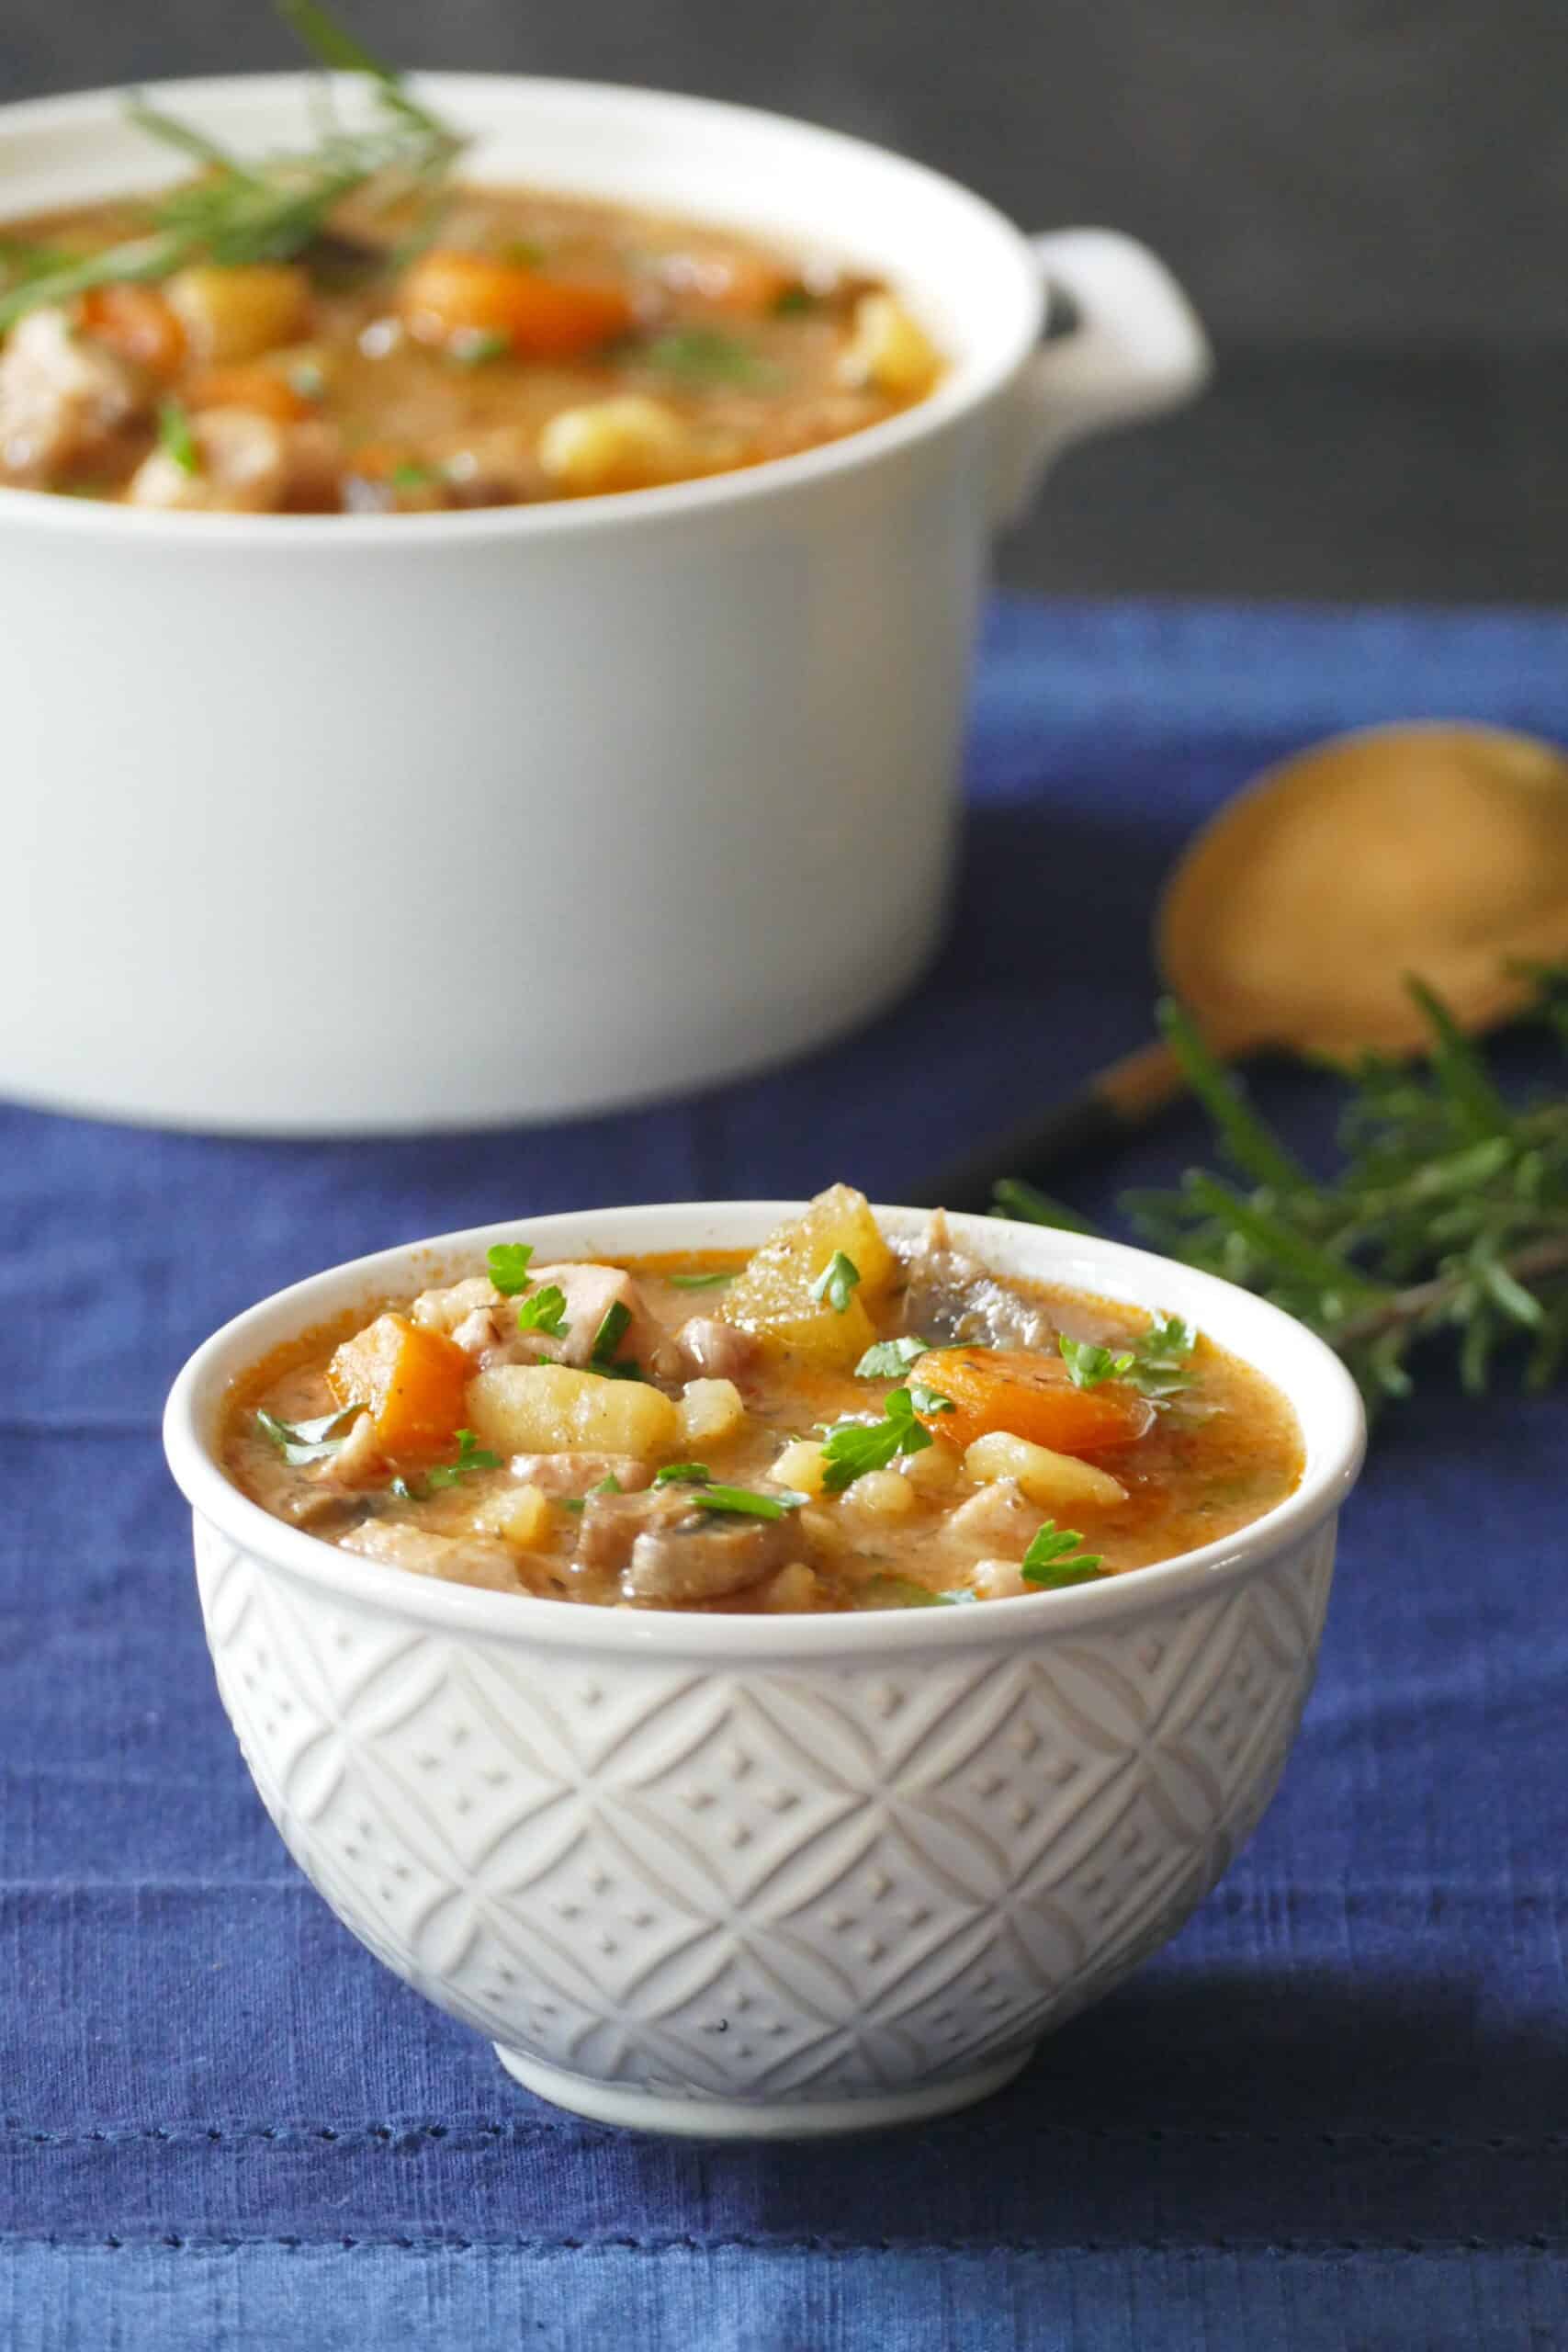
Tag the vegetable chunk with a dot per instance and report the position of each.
(1029, 1396)
(411, 1379)
(777, 1294)
(550, 1409)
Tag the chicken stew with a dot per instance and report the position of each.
(836, 1422)
(353, 331)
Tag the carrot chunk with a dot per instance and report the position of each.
(261, 390)
(447, 298)
(412, 1380)
(1029, 1396)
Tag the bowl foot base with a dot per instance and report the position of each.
(736, 2119)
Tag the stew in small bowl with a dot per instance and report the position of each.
(746, 1737)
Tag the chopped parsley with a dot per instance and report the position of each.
(903, 1592)
(507, 1265)
(838, 1279)
(522, 253)
(929, 1400)
(793, 298)
(410, 476)
(175, 437)
(1053, 1561)
(1088, 1364)
(701, 1281)
(476, 346)
(608, 1337)
(308, 380)
(743, 1500)
(471, 1455)
(545, 1313)
(704, 355)
(608, 1485)
(1159, 1357)
(1155, 1364)
(851, 1448)
(891, 1358)
(315, 1440)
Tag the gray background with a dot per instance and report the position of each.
(1368, 199)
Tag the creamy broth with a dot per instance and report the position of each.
(765, 1433)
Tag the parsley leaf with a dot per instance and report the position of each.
(903, 1592)
(851, 1448)
(315, 1440)
(703, 356)
(793, 298)
(701, 1281)
(507, 1265)
(1159, 1357)
(890, 1359)
(471, 1455)
(609, 1485)
(476, 346)
(175, 437)
(747, 1503)
(1154, 1364)
(837, 1278)
(412, 476)
(545, 1312)
(929, 1400)
(611, 1332)
(1088, 1364)
(743, 1500)
(1053, 1561)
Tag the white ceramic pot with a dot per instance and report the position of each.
(325, 823)
(765, 1876)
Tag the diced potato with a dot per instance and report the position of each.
(771, 1296)
(230, 314)
(519, 1514)
(883, 1494)
(934, 1472)
(621, 443)
(999, 1580)
(710, 1410)
(793, 1589)
(802, 1465)
(1054, 1481)
(412, 1381)
(550, 1409)
(887, 349)
(443, 1310)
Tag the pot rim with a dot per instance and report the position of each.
(975, 378)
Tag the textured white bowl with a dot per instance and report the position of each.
(765, 1876)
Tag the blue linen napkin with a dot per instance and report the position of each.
(1331, 2115)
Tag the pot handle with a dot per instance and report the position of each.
(1121, 342)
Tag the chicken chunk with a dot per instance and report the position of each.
(579, 1474)
(492, 1336)
(457, 1559)
(63, 398)
(951, 1298)
(668, 1553)
(713, 1349)
(240, 467)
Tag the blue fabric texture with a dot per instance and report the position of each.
(1331, 2115)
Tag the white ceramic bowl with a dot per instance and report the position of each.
(765, 1876)
(307, 817)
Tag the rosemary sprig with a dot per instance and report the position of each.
(267, 210)
(1449, 1217)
